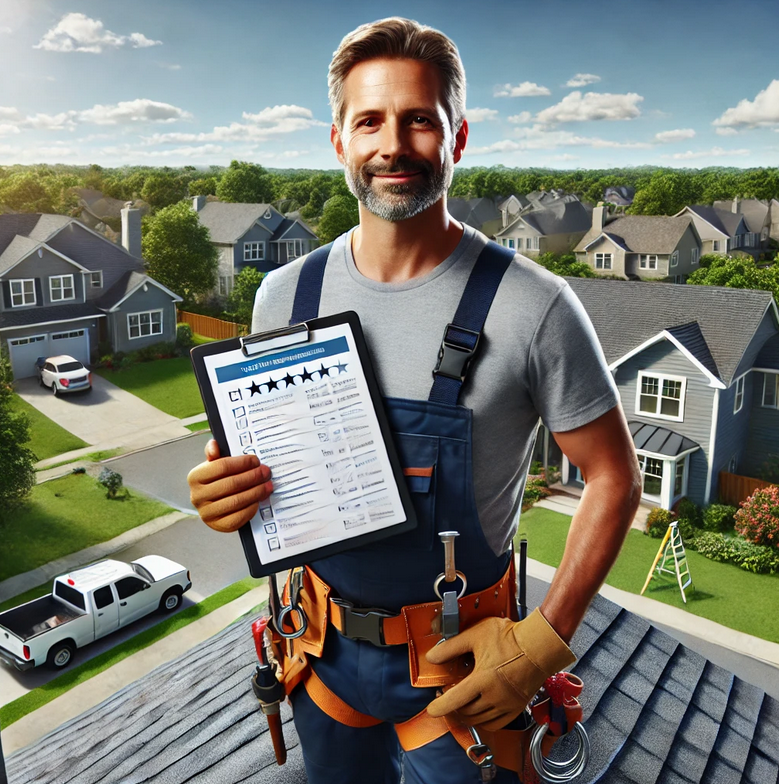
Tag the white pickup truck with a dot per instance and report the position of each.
(88, 604)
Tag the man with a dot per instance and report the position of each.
(397, 91)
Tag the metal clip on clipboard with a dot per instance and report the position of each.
(261, 342)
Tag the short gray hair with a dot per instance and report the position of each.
(399, 38)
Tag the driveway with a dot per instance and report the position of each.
(106, 415)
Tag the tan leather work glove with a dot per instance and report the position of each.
(512, 661)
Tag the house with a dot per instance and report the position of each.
(66, 289)
(102, 213)
(619, 195)
(762, 217)
(482, 214)
(655, 710)
(722, 231)
(547, 226)
(252, 235)
(696, 368)
(641, 246)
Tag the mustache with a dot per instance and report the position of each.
(402, 165)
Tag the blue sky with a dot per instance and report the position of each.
(560, 83)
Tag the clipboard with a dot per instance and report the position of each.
(305, 400)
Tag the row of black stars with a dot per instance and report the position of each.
(289, 380)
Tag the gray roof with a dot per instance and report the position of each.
(130, 280)
(722, 220)
(621, 195)
(474, 212)
(691, 337)
(228, 222)
(755, 211)
(558, 217)
(626, 314)
(11, 225)
(655, 711)
(642, 233)
(102, 206)
(660, 440)
(27, 316)
(769, 354)
(18, 248)
(48, 225)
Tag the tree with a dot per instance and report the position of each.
(205, 186)
(18, 475)
(339, 215)
(162, 190)
(178, 251)
(240, 303)
(666, 193)
(246, 183)
(565, 265)
(736, 273)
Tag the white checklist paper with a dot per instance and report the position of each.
(306, 412)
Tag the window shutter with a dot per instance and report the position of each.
(38, 292)
(6, 294)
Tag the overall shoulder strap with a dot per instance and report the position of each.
(309, 288)
(461, 336)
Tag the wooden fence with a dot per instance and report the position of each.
(210, 327)
(734, 489)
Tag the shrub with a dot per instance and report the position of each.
(688, 532)
(111, 480)
(740, 552)
(184, 338)
(536, 467)
(657, 522)
(690, 511)
(719, 517)
(758, 518)
(535, 490)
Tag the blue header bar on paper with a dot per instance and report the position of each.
(304, 353)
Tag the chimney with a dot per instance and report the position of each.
(131, 230)
(599, 216)
(736, 204)
(198, 202)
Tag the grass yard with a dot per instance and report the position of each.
(167, 384)
(47, 439)
(723, 592)
(20, 707)
(67, 515)
(196, 427)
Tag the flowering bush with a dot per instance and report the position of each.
(758, 518)
(657, 522)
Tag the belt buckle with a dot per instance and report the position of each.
(363, 623)
(454, 356)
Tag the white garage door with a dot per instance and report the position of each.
(75, 343)
(24, 352)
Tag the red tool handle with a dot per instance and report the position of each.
(258, 632)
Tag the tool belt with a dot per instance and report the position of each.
(419, 627)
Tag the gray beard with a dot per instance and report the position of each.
(400, 202)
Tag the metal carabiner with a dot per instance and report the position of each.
(294, 583)
(480, 754)
(551, 772)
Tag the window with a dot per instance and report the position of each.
(739, 399)
(96, 279)
(661, 396)
(647, 262)
(140, 325)
(295, 248)
(129, 586)
(603, 261)
(103, 597)
(225, 285)
(532, 243)
(76, 333)
(61, 288)
(674, 258)
(715, 245)
(22, 292)
(253, 251)
(770, 389)
(25, 341)
(511, 243)
(694, 256)
(679, 477)
(519, 243)
(652, 471)
(69, 594)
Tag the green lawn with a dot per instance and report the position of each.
(196, 427)
(167, 384)
(47, 439)
(67, 515)
(723, 592)
(20, 707)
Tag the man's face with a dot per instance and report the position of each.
(396, 143)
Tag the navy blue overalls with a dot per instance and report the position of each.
(401, 570)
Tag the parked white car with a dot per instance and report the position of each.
(63, 374)
(87, 604)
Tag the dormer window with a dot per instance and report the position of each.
(61, 288)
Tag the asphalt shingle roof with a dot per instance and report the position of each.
(642, 233)
(723, 220)
(655, 711)
(121, 288)
(17, 249)
(559, 217)
(691, 337)
(769, 354)
(626, 314)
(753, 210)
(22, 318)
(11, 225)
(48, 225)
(474, 212)
(227, 222)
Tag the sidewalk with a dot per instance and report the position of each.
(107, 683)
(565, 499)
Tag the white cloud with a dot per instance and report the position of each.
(726, 131)
(271, 121)
(481, 115)
(522, 117)
(505, 145)
(564, 157)
(714, 152)
(78, 33)
(8, 130)
(678, 135)
(522, 90)
(577, 107)
(139, 110)
(10, 113)
(51, 122)
(4, 30)
(582, 80)
(764, 110)
(285, 154)
(170, 66)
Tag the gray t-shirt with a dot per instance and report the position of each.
(538, 357)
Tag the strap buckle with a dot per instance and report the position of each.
(458, 348)
(362, 623)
